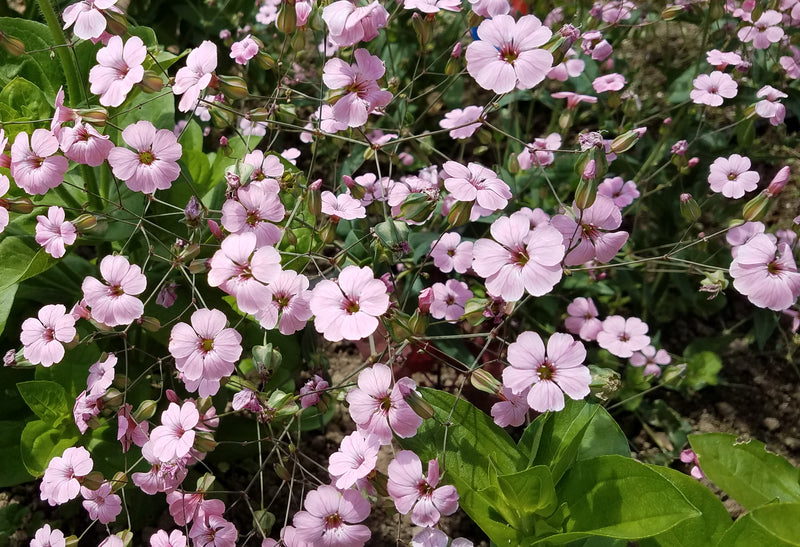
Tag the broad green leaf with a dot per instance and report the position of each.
(6, 301)
(19, 262)
(38, 67)
(530, 492)
(71, 373)
(191, 137)
(618, 497)
(776, 525)
(12, 471)
(41, 442)
(746, 471)
(47, 400)
(23, 101)
(702, 369)
(704, 530)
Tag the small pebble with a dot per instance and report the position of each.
(726, 409)
(791, 443)
(772, 423)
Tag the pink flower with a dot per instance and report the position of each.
(61, 478)
(462, 123)
(154, 165)
(247, 399)
(433, 6)
(622, 193)
(507, 55)
(47, 537)
(540, 151)
(612, 11)
(162, 476)
(102, 504)
(490, 8)
(722, 59)
(521, 260)
(769, 107)
(128, 430)
(548, 374)
(44, 337)
(191, 80)
(574, 99)
(213, 531)
(53, 232)
(711, 88)
(590, 238)
(689, 456)
(287, 303)
(255, 210)
(449, 299)
(309, 393)
(34, 167)
(594, 45)
(648, 357)
(185, 508)
(621, 337)
(205, 349)
(331, 518)
(342, 206)
(349, 307)
(115, 302)
(242, 271)
(84, 144)
(118, 69)
(412, 491)
(349, 25)
(512, 408)
(766, 273)
(167, 295)
(569, 68)
(175, 436)
(4, 186)
(363, 95)
(431, 537)
(609, 82)
(764, 32)
(88, 18)
(731, 176)
(244, 50)
(174, 539)
(791, 64)
(450, 253)
(476, 183)
(583, 319)
(101, 374)
(379, 408)
(355, 459)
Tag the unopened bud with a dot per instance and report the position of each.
(314, 198)
(484, 381)
(422, 27)
(85, 223)
(426, 298)
(586, 193)
(756, 208)
(151, 82)
(473, 310)
(118, 481)
(673, 374)
(356, 190)
(282, 472)
(14, 46)
(672, 12)
(604, 382)
(150, 324)
(112, 398)
(456, 52)
(418, 322)
(328, 232)
(265, 60)
(147, 409)
(216, 231)
(193, 213)
(233, 87)
(778, 182)
(116, 22)
(204, 442)
(20, 205)
(267, 357)
(189, 253)
(258, 115)
(93, 480)
(692, 162)
(419, 405)
(459, 213)
(690, 210)
(417, 207)
(198, 266)
(287, 17)
(95, 116)
(625, 142)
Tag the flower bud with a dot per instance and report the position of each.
(215, 229)
(673, 374)
(473, 310)
(690, 210)
(756, 208)
(150, 324)
(95, 116)
(356, 190)
(459, 213)
(198, 266)
(14, 46)
(20, 205)
(672, 12)
(118, 481)
(328, 231)
(625, 142)
(282, 472)
(189, 253)
(604, 382)
(112, 398)
(85, 223)
(265, 60)
(418, 322)
(116, 22)
(147, 409)
(204, 442)
(287, 17)
(425, 300)
(422, 27)
(233, 87)
(92, 481)
(419, 405)
(314, 198)
(484, 381)
(778, 182)
(267, 358)
(151, 82)
(586, 192)
(417, 207)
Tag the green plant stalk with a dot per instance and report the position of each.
(73, 87)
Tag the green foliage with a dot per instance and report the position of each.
(775, 525)
(43, 71)
(745, 470)
(21, 101)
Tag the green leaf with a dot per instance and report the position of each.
(581, 431)
(12, 471)
(746, 471)
(38, 68)
(618, 497)
(72, 371)
(6, 301)
(22, 101)
(41, 442)
(776, 525)
(19, 262)
(702, 369)
(529, 492)
(48, 400)
(764, 324)
(704, 530)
